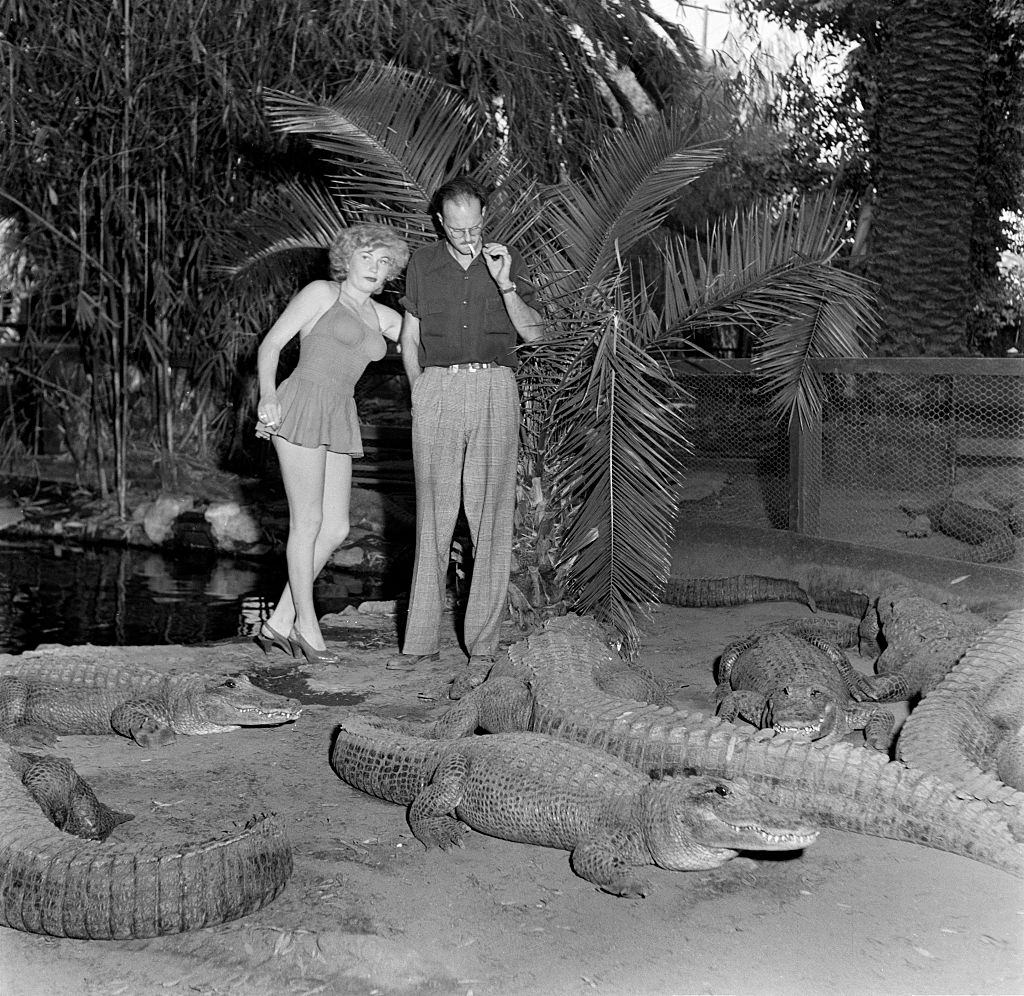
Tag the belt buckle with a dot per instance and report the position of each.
(475, 366)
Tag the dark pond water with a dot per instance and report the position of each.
(71, 595)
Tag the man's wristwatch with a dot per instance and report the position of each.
(511, 289)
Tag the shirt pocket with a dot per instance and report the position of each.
(496, 320)
(435, 322)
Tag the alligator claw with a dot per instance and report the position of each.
(151, 732)
(639, 888)
(441, 831)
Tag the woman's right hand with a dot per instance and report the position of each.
(269, 412)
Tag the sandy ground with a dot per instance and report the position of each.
(368, 911)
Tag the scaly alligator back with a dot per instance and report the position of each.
(51, 883)
(839, 786)
(94, 689)
(957, 731)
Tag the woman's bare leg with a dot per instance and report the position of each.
(337, 499)
(334, 527)
(302, 472)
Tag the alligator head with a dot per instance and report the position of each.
(701, 822)
(219, 704)
(806, 712)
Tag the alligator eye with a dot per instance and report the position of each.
(230, 683)
(721, 790)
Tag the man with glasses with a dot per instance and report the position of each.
(466, 303)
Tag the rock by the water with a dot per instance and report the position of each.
(233, 527)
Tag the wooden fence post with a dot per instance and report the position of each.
(805, 475)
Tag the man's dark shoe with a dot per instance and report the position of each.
(408, 662)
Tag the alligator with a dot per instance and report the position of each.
(535, 790)
(41, 701)
(969, 729)
(797, 686)
(922, 641)
(737, 589)
(988, 531)
(66, 799)
(52, 883)
(546, 686)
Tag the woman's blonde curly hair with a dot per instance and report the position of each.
(356, 237)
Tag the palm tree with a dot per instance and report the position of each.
(928, 128)
(605, 418)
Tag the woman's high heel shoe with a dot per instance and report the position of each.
(299, 645)
(267, 637)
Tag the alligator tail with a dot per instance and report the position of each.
(845, 601)
(395, 767)
(738, 589)
(52, 883)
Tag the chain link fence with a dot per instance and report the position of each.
(920, 455)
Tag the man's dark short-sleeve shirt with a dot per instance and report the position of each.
(461, 312)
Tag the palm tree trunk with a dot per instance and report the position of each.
(929, 107)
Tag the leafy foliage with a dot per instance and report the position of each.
(883, 112)
(135, 132)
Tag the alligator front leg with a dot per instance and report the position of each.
(877, 724)
(430, 816)
(142, 721)
(499, 705)
(745, 704)
(599, 859)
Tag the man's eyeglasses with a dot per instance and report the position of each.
(470, 233)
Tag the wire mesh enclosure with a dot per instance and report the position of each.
(922, 455)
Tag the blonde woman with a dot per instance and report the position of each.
(311, 416)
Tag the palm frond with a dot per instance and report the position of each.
(614, 451)
(514, 207)
(634, 179)
(297, 218)
(774, 275)
(841, 324)
(392, 137)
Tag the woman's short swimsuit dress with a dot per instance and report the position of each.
(317, 400)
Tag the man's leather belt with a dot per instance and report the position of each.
(457, 367)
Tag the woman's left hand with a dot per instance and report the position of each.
(269, 413)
